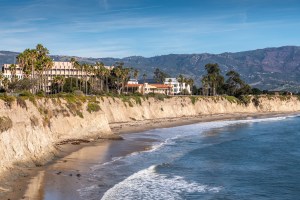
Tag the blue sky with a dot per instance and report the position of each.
(120, 28)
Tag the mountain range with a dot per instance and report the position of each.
(269, 69)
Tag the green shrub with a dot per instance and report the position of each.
(160, 97)
(33, 100)
(78, 93)
(231, 99)
(93, 107)
(79, 113)
(8, 100)
(25, 94)
(127, 99)
(40, 93)
(245, 99)
(193, 99)
(5, 124)
(137, 100)
(256, 101)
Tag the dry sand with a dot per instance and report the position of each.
(61, 178)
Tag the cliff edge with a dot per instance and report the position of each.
(30, 129)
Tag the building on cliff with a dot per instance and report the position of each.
(170, 87)
(177, 87)
(64, 69)
(147, 88)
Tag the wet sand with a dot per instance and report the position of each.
(61, 179)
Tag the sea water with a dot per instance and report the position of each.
(242, 159)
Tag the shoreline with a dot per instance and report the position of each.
(100, 151)
(144, 125)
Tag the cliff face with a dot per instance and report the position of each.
(118, 111)
(33, 132)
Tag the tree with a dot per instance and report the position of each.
(144, 77)
(107, 74)
(213, 78)
(190, 82)
(118, 72)
(86, 69)
(70, 84)
(233, 82)
(5, 83)
(77, 66)
(58, 84)
(235, 86)
(159, 75)
(136, 74)
(13, 70)
(101, 72)
(1, 78)
(43, 64)
(256, 91)
(205, 85)
(180, 79)
(125, 76)
(73, 61)
(36, 60)
(27, 61)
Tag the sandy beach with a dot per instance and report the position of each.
(61, 178)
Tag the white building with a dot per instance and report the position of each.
(65, 69)
(177, 87)
(7, 72)
(133, 81)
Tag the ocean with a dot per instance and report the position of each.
(240, 159)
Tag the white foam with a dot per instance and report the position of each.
(147, 184)
(188, 130)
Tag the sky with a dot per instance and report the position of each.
(122, 28)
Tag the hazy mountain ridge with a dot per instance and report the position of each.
(269, 68)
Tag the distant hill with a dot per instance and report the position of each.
(269, 68)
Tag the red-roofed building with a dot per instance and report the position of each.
(148, 88)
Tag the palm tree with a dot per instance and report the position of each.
(136, 74)
(101, 71)
(1, 78)
(234, 82)
(106, 75)
(205, 85)
(118, 73)
(73, 60)
(5, 83)
(125, 76)
(48, 64)
(181, 81)
(190, 82)
(43, 64)
(86, 69)
(144, 77)
(78, 67)
(59, 80)
(213, 75)
(13, 70)
(23, 60)
(32, 60)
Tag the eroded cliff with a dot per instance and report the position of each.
(30, 129)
